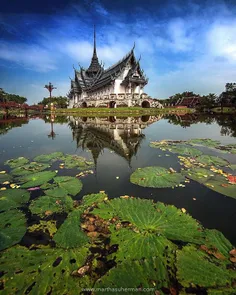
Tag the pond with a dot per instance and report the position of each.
(115, 147)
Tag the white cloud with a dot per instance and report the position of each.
(28, 56)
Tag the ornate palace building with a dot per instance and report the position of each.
(120, 85)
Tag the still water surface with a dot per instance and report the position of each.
(118, 146)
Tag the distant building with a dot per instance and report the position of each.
(189, 102)
(120, 85)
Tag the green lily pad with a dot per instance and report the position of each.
(44, 226)
(70, 234)
(204, 142)
(18, 162)
(74, 161)
(5, 177)
(47, 185)
(43, 271)
(195, 267)
(56, 192)
(153, 218)
(155, 176)
(93, 199)
(184, 150)
(47, 205)
(29, 168)
(212, 160)
(36, 179)
(13, 198)
(216, 240)
(70, 184)
(49, 158)
(215, 182)
(135, 275)
(12, 228)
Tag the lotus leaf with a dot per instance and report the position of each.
(213, 181)
(5, 177)
(74, 161)
(47, 205)
(11, 199)
(12, 228)
(93, 199)
(47, 185)
(36, 179)
(44, 226)
(146, 216)
(205, 142)
(184, 150)
(135, 275)
(216, 240)
(49, 158)
(18, 162)
(139, 245)
(195, 267)
(70, 234)
(155, 176)
(43, 271)
(71, 184)
(212, 160)
(56, 192)
(29, 168)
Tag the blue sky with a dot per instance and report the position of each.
(184, 45)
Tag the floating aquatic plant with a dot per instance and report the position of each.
(43, 271)
(36, 179)
(18, 162)
(11, 199)
(74, 161)
(47, 205)
(49, 158)
(212, 160)
(12, 228)
(157, 177)
(45, 227)
(214, 181)
(70, 234)
(32, 167)
(69, 184)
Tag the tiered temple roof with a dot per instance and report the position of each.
(96, 77)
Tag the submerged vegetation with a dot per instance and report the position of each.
(53, 242)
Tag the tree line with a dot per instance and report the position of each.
(7, 97)
(58, 101)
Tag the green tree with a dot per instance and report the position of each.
(5, 97)
(58, 101)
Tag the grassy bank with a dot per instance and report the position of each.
(120, 111)
(226, 110)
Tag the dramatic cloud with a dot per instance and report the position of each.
(183, 47)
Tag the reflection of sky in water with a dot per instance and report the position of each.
(212, 209)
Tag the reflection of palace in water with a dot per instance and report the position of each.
(121, 135)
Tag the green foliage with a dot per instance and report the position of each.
(59, 101)
(18, 162)
(176, 148)
(70, 234)
(212, 160)
(215, 239)
(204, 141)
(195, 267)
(12, 228)
(6, 97)
(43, 271)
(155, 176)
(44, 226)
(5, 177)
(135, 274)
(159, 219)
(71, 185)
(13, 198)
(36, 179)
(29, 168)
(215, 182)
(74, 161)
(47, 205)
(93, 199)
(49, 158)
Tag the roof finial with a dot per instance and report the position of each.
(94, 41)
(133, 46)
